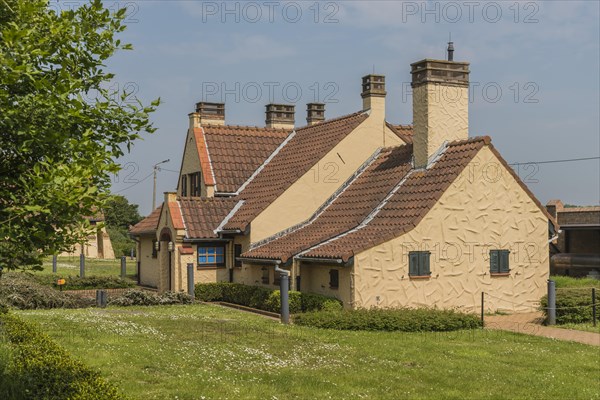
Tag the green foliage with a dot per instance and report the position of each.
(119, 213)
(37, 368)
(400, 319)
(120, 240)
(136, 297)
(21, 290)
(263, 298)
(63, 129)
(87, 282)
(572, 306)
(570, 282)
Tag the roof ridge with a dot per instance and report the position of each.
(248, 127)
(326, 204)
(336, 119)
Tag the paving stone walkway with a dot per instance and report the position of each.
(531, 324)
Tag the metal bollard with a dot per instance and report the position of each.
(54, 263)
(101, 298)
(594, 306)
(284, 291)
(81, 266)
(551, 302)
(190, 279)
(123, 266)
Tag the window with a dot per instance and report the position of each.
(499, 263)
(195, 184)
(265, 275)
(237, 252)
(211, 256)
(154, 248)
(184, 192)
(276, 278)
(418, 263)
(334, 278)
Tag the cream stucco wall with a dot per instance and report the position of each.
(98, 245)
(149, 267)
(309, 192)
(314, 278)
(440, 113)
(191, 164)
(484, 209)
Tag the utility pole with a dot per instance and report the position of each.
(156, 169)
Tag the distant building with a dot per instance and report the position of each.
(576, 250)
(373, 213)
(98, 245)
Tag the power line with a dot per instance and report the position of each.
(137, 183)
(557, 161)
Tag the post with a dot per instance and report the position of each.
(154, 191)
(482, 308)
(54, 263)
(594, 306)
(81, 265)
(284, 287)
(190, 278)
(103, 298)
(123, 266)
(551, 302)
(131, 254)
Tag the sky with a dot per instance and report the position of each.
(534, 74)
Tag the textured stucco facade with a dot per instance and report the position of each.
(149, 269)
(485, 208)
(98, 245)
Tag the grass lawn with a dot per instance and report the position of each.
(69, 266)
(587, 327)
(209, 352)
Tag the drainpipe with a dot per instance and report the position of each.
(284, 287)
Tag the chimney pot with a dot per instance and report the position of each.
(315, 113)
(280, 116)
(373, 92)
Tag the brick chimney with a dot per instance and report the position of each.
(554, 207)
(208, 114)
(440, 105)
(315, 113)
(373, 93)
(280, 116)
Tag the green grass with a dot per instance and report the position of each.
(570, 282)
(69, 266)
(585, 326)
(209, 352)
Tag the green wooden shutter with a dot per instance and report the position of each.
(413, 263)
(504, 264)
(424, 268)
(494, 261)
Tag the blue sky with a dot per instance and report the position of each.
(534, 74)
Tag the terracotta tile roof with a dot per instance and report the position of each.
(235, 152)
(347, 210)
(203, 215)
(148, 225)
(205, 162)
(580, 209)
(303, 150)
(176, 215)
(404, 132)
(405, 208)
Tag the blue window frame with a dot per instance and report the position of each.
(211, 256)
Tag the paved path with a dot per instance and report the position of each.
(531, 324)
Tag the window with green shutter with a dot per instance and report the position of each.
(418, 263)
(499, 261)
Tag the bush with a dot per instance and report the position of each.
(24, 292)
(399, 319)
(135, 297)
(88, 282)
(572, 306)
(263, 298)
(34, 367)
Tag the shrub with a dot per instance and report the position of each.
(399, 319)
(36, 368)
(135, 297)
(88, 282)
(24, 292)
(572, 306)
(263, 298)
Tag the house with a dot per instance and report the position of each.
(98, 244)
(355, 207)
(576, 249)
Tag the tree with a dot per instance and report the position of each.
(61, 130)
(119, 215)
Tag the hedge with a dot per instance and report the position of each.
(263, 298)
(136, 297)
(87, 282)
(572, 306)
(32, 366)
(398, 319)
